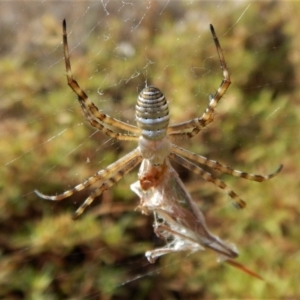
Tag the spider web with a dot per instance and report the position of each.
(118, 47)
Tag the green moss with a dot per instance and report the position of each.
(46, 144)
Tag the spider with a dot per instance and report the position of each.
(154, 137)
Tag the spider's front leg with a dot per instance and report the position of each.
(106, 177)
(186, 159)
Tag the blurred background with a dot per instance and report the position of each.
(117, 47)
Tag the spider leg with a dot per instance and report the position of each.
(95, 123)
(92, 113)
(194, 126)
(238, 202)
(222, 168)
(120, 167)
(107, 184)
(186, 128)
